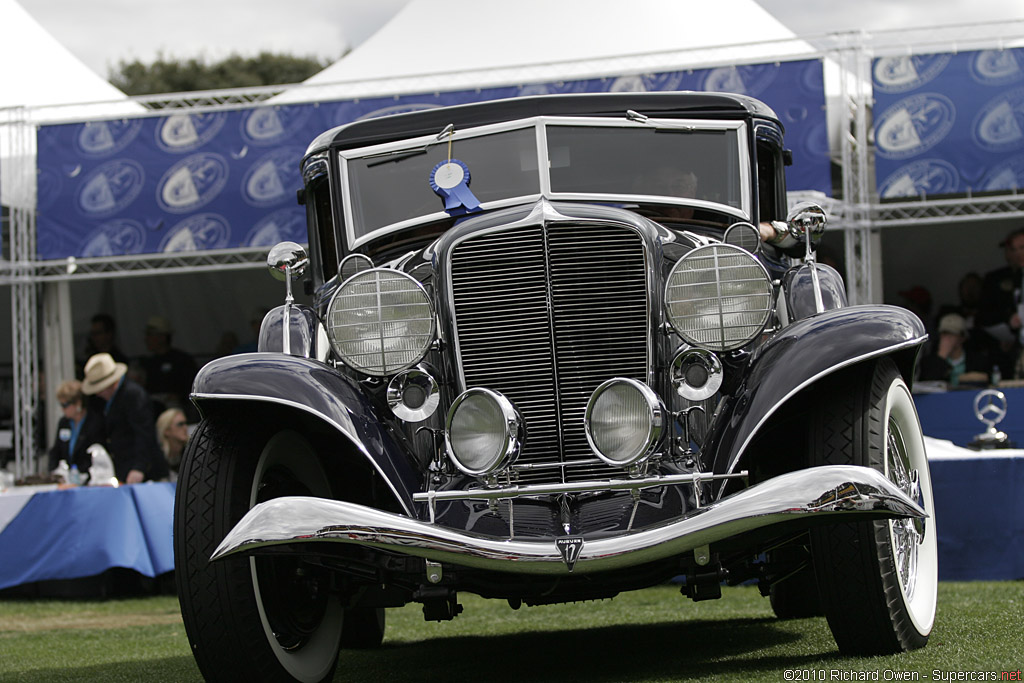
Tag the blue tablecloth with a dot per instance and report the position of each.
(73, 533)
(979, 510)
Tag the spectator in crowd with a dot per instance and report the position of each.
(128, 420)
(951, 361)
(168, 371)
(999, 313)
(103, 338)
(78, 429)
(172, 430)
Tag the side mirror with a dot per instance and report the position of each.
(287, 261)
(807, 222)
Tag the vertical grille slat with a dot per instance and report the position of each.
(544, 315)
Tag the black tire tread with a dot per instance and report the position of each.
(217, 603)
(855, 571)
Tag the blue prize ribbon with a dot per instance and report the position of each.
(460, 199)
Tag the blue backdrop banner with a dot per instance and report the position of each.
(227, 179)
(949, 124)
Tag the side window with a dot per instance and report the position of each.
(320, 224)
(769, 165)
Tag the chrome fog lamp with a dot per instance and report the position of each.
(413, 395)
(624, 421)
(483, 432)
(718, 297)
(696, 374)
(380, 322)
(743, 235)
(352, 264)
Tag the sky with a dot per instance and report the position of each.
(102, 33)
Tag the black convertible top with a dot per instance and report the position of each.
(428, 121)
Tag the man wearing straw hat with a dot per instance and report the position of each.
(128, 417)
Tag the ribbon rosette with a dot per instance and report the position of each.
(450, 181)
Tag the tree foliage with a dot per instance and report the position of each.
(168, 74)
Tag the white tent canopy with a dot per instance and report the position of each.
(431, 46)
(42, 82)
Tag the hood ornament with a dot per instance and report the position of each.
(990, 408)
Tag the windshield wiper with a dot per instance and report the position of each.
(402, 154)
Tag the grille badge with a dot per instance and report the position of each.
(570, 548)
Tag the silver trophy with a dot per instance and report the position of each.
(990, 408)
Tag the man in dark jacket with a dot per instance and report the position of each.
(128, 417)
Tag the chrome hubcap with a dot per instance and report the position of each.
(907, 534)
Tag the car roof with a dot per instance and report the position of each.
(429, 121)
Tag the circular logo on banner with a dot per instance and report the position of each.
(816, 143)
(201, 232)
(268, 125)
(999, 126)
(908, 72)
(192, 182)
(633, 83)
(746, 80)
(272, 177)
(925, 177)
(913, 125)
(110, 188)
(114, 238)
(283, 225)
(185, 132)
(104, 138)
(996, 67)
(1008, 175)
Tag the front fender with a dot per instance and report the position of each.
(317, 389)
(800, 355)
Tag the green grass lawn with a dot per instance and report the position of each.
(651, 635)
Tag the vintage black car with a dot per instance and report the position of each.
(558, 348)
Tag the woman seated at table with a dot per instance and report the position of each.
(76, 431)
(172, 430)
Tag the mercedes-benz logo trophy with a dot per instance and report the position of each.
(990, 408)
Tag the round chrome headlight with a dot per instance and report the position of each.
(718, 297)
(483, 432)
(624, 421)
(380, 322)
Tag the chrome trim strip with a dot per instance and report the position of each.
(302, 406)
(554, 489)
(837, 491)
(827, 371)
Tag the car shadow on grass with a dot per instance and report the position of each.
(667, 651)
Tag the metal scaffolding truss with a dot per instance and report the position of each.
(149, 264)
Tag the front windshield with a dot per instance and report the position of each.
(388, 189)
(670, 162)
(697, 163)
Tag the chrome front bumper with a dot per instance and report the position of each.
(836, 491)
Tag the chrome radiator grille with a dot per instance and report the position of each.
(548, 359)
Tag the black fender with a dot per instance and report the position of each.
(320, 390)
(800, 355)
(798, 285)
